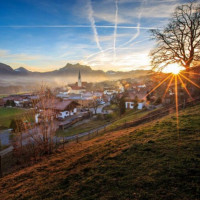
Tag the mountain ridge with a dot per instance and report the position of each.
(68, 69)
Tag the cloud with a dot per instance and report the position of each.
(92, 21)
(115, 30)
(154, 9)
(5, 54)
(77, 26)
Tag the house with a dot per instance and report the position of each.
(84, 100)
(56, 108)
(110, 92)
(62, 95)
(2, 103)
(130, 98)
(76, 90)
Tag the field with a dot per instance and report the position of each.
(7, 114)
(91, 124)
(153, 161)
(87, 126)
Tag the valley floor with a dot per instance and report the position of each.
(152, 161)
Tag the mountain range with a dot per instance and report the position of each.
(70, 70)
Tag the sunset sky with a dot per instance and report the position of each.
(42, 35)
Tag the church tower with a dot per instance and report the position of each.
(79, 79)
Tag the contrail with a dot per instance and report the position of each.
(109, 49)
(77, 26)
(92, 21)
(115, 31)
(138, 25)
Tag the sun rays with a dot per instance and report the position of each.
(179, 80)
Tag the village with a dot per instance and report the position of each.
(76, 104)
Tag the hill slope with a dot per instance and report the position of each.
(150, 162)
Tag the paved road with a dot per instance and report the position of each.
(5, 137)
(100, 108)
(67, 138)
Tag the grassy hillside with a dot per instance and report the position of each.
(7, 114)
(154, 161)
(94, 123)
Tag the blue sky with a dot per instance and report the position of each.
(42, 35)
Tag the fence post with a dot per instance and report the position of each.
(1, 171)
(125, 123)
(63, 142)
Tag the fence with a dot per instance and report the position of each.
(7, 161)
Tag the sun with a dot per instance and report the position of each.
(173, 68)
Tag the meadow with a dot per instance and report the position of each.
(153, 161)
(7, 114)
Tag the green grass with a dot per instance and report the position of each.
(151, 162)
(7, 114)
(159, 163)
(3, 95)
(94, 123)
(130, 115)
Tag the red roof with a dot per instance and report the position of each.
(55, 104)
(77, 88)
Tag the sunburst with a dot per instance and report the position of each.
(176, 74)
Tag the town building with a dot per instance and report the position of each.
(56, 108)
(79, 87)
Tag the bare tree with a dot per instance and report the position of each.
(94, 104)
(179, 42)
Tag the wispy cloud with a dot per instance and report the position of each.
(138, 25)
(5, 54)
(92, 21)
(79, 26)
(115, 30)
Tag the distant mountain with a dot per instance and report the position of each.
(72, 70)
(6, 69)
(22, 70)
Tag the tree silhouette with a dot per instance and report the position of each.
(122, 108)
(135, 103)
(179, 42)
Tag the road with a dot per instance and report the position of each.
(100, 108)
(5, 137)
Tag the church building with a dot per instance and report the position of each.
(78, 87)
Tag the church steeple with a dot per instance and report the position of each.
(79, 79)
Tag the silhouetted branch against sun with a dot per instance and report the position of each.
(179, 42)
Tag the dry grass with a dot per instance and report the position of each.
(148, 162)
